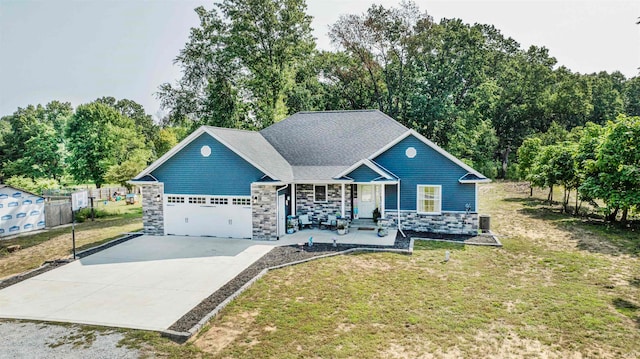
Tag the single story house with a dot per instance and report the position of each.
(243, 184)
(20, 211)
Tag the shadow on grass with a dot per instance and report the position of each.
(591, 235)
(527, 201)
(96, 243)
(628, 308)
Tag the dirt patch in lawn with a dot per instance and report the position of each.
(219, 336)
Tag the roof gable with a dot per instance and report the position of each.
(249, 145)
(433, 146)
(365, 171)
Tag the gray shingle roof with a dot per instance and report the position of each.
(312, 146)
(332, 138)
(255, 148)
(310, 173)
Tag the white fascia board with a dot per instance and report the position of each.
(276, 183)
(435, 147)
(141, 183)
(391, 181)
(484, 180)
(321, 181)
(157, 163)
(367, 163)
(394, 176)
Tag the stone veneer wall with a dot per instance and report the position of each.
(305, 203)
(264, 212)
(452, 223)
(152, 210)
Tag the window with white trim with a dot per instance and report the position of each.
(320, 193)
(429, 199)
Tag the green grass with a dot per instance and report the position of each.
(114, 214)
(56, 243)
(539, 295)
(560, 287)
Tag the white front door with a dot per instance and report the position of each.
(368, 200)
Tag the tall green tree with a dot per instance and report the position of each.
(527, 153)
(381, 41)
(632, 96)
(240, 63)
(133, 110)
(614, 174)
(34, 145)
(607, 96)
(522, 81)
(570, 99)
(100, 137)
(344, 82)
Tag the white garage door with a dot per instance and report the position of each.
(215, 216)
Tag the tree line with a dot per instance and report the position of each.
(250, 63)
(469, 88)
(105, 141)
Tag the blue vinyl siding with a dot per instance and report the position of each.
(390, 197)
(222, 173)
(428, 167)
(363, 174)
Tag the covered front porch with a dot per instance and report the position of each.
(365, 237)
(367, 200)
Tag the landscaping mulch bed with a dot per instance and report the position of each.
(277, 256)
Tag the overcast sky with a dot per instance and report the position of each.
(78, 51)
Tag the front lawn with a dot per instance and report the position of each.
(544, 294)
(118, 218)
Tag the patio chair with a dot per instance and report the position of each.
(330, 222)
(305, 221)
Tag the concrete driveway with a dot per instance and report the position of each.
(145, 283)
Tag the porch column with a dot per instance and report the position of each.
(342, 201)
(398, 196)
(382, 200)
(294, 210)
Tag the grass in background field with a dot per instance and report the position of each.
(542, 294)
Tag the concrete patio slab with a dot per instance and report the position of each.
(355, 236)
(145, 283)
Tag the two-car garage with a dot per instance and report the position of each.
(204, 215)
